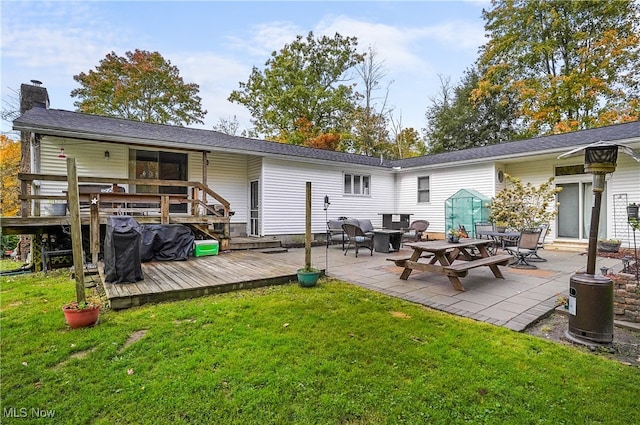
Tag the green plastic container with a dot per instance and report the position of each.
(205, 247)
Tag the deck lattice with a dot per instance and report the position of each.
(176, 280)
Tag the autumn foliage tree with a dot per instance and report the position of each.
(570, 64)
(141, 86)
(9, 168)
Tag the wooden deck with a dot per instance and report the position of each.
(177, 280)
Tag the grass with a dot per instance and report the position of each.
(10, 264)
(333, 354)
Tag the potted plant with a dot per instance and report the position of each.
(308, 276)
(501, 226)
(453, 235)
(79, 314)
(609, 245)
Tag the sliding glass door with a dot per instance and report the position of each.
(154, 165)
(574, 211)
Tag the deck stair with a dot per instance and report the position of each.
(274, 250)
(260, 243)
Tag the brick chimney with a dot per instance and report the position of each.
(33, 95)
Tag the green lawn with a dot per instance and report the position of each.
(333, 354)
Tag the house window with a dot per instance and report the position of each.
(423, 189)
(355, 184)
(160, 165)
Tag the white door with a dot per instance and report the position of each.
(254, 208)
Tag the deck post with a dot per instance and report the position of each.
(164, 209)
(76, 231)
(94, 235)
(307, 229)
(25, 204)
(205, 165)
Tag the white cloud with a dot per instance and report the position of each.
(59, 35)
(266, 38)
(217, 76)
(405, 49)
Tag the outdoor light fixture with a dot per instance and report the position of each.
(625, 263)
(604, 270)
(598, 160)
(61, 155)
(107, 155)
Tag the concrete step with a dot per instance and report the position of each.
(568, 246)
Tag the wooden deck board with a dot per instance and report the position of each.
(176, 280)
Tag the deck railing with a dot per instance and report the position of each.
(116, 201)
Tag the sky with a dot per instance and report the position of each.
(215, 44)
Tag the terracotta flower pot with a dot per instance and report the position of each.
(80, 317)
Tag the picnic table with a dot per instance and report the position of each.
(452, 259)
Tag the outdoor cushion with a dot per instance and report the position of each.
(365, 225)
(353, 221)
(335, 225)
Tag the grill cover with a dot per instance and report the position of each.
(166, 242)
(122, 250)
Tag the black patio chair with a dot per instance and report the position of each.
(357, 238)
(335, 232)
(415, 231)
(527, 247)
(544, 228)
(486, 226)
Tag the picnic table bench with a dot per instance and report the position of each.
(453, 260)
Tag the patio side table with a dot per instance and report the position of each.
(387, 240)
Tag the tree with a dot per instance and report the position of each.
(455, 121)
(228, 126)
(368, 134)
(11, 106)
(409, 144)
(9, 168)
(142, 86)
(369, 122)
(301, 93)
(571, 64)
(524, 206)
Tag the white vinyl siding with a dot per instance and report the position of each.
(443, 182)
(90, 161)
(284, 183)
(227, 176)
(624, 181)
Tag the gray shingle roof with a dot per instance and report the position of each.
(95, 127)
(545, 144)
